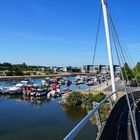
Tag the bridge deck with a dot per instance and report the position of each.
(118, 125)
(138, 118)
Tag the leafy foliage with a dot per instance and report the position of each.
(87, 100)
(99, 97)
(21, 69)
(127, 73)
(49, 71)
(137, 71)
(75, 98)
(10, 73)
(18, 72)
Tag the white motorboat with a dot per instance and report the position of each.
(17, 89)
(0, 90)
(78, 77)
(52, 93)
(68, 83)
(4, 90)
(33, 93)
(90, 83)
(46, 82)
(26, 82)
(61, 81)
(41, 92)
(78, 82)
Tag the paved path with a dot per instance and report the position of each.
(118, 125)
(138, 118)
(107, 85)
(118, 83)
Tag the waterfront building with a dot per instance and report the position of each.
(99, 69)
(71, 69)
(117, 69)
(58, 69)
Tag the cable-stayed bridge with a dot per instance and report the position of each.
(118, 125)
(123, 118)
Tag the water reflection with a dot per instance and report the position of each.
(74, 113)
(28, 99)
(38, 118)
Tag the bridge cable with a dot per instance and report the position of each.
(96, 39)
(118, 50)
(122, 52)
(122, 58)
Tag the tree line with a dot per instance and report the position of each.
(131, 74)
(22, 69)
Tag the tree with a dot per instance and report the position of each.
(137, 71)
(6, 66)
(127, 73)
(24, 67)
(34, 73)
(49, 71)
(18, 72)
(74, 99)
(9, 73)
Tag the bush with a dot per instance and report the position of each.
(34, 72)
(18, 72)
(99, 97)
(74, 99)
(28, 73)
(87, 100)
(9, 73)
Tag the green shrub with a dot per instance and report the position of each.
(74, 99)
(28, 73)
(18, 72)
(34, 72)
(87, 100)
(99, 97)
(9, 73)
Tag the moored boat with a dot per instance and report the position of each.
(68, 83)
(41, 92)
(46, 82)
(79, 82)
(90, 83)
(17, 89)
(61, 81)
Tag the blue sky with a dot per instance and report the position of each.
(62, 32)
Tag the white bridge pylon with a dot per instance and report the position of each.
(108, 41)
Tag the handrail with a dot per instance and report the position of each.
(83, 122)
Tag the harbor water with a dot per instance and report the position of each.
(39, 118)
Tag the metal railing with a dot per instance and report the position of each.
(84, 121)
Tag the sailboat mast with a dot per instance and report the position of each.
(105, 15)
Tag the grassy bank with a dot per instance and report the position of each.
(83, 100)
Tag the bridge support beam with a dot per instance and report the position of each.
(98, 119)
(108, 41)
(110, 103)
